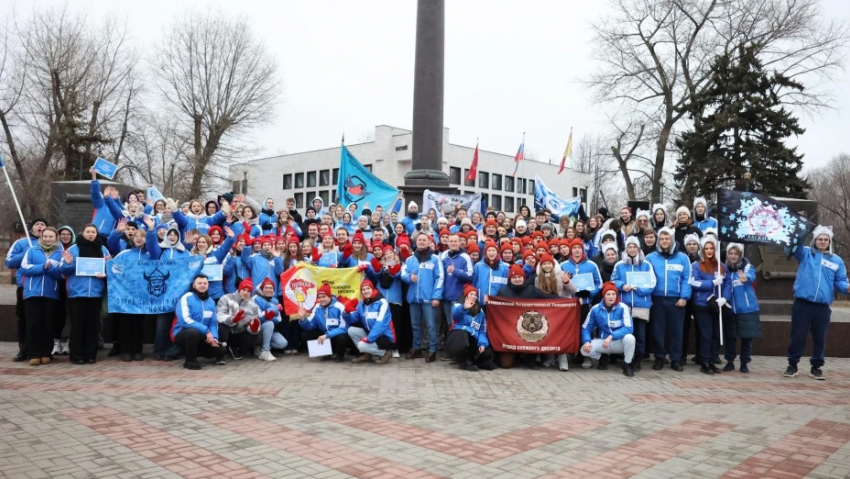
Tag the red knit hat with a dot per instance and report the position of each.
(358, 236)
(526, 240)
(403, 240)
(473, 235)
(516, 270)
(538, 234)
(444, 232)
(546, 257)
(609, 286)
(324, 289)
(506, 247)
(565, 242)
(469, 289)
(368, 283)
(246, 284)
(576, 242)
(527, 253)
(490, 244)
(491, 222)
(265, 282)
(554, 242)
(293, 239)
(290, 231)
(328, 233)
(389, 248)
(267, 239)
(377, 244)
(472, 248)
(220, 233)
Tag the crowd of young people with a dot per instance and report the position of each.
(427, 281)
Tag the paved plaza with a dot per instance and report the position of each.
(305, 418)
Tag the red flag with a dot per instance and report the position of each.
(568, 152)
(533, 325)
(473, 168)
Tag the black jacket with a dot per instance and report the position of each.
(525, 291)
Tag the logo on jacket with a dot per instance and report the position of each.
(532, 326)
(157, 282)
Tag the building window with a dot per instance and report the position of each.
(454, 175)
(483, 179)
(333, 195)
(299, 180)
(311, 179)
(287, 181)
(520, 187)
(465, 181)
(325, 196)
(575, 192)
(509, 204)
(497, 182)
(244, 190)
(531, 187)
(336, 175)
(368, 167)
(583, 193)
(235, 187)
(324, 177)
(509, 183)
(299, 199)
(497, 202)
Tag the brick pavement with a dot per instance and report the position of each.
(304, 418)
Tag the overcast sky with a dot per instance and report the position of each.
(511, 67)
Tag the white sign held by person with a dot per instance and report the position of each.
(444, 204)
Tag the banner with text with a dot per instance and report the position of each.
(148, 286)
(535, 326)
(445, 204)
(301, 283)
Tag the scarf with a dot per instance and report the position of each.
(89, 249)
(266, 254)
(48, 250)
(376, 295)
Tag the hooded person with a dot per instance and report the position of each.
(635, 293)
(820, 273)
(326, 322)
(710, 293)
(745, 323)
(670, 296)
(318, 204)
(411, 219)
(467, 343)
(66, 240)
(684, 225)
(267, 216)
(211, 208)
(613, 323)
(701, 218)
(41, 269)
(659, 217)
(372, 328)
(172, 245)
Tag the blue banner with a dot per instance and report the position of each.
(147, 286)
(359, 186)
(745, 217)
(544, 198)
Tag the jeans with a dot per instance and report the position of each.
(271, 338)
(418, 311)
(625, 346)
(447, 312)
(640, 335)
(806, 317)
(667, 318)
(378, 348)
(162, 344)
(709, 330)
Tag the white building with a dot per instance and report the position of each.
(306, 175)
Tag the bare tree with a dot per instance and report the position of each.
(592, 159)
(221, 80)
(655, 55)
(161, 154)
(831, 189)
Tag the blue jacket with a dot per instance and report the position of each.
(351, 262)
(672, 274)
(193, 312)
(705, 224)
(375, 318)
(101, 217)
(476, 325)
(238, 228)
(15, 256)
(585, 266)
(267, 221)
(201, 223)
(152, 249)
(616, 323)
(702, 287)
(329, 320)
(460, 277)
(410, 224)
(489, 281)
(267, 305)
(818, 275)
(429, 285)
(636, 298)
(743, 296)
(262, 268)
(40, 282)
(393, 293)
(230, 262)
(217, 257)
(82, 286)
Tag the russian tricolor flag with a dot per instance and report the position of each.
(520, 154)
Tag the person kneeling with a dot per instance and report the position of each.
(614, 323)
(374, 335)
(326, 323)
(196, 328)
(467, 343)
(238, 321)
(270, 310)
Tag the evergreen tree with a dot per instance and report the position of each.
(740, 127)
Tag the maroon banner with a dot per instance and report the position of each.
(536, 326)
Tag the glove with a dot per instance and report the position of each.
(315, 255)
(362, 267)
(376, 264)
(717, 281)
(270, 314)
(239, 316)
(351, 306)
(266, 226)
(225, 208)
(394, 269)
(583, 294)
(404, 253)
(254, 325)
(280, 307)
(721, 302)
(171, 204)
(347, 250)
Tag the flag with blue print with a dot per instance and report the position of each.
(359, 186)
(745, 217)
(544, 198)
(149, 286)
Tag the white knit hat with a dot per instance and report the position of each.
(520, 223)
(822, 230)
(690, 237)
(699, 200)
(412, 204)
(683, 209)
(642, 214)
(739, 246)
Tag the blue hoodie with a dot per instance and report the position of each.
(375, 319)
(488, 281)
(743, 297)
(82, 286)
(201, 223)
(262, 268)
(393, 293)
(101, 217)
(818, 275)
(635, 298)
(460, 277)
(476, 325)
(40, 282)
(430, 278)
(217, 257)
(584, 266)
(329, 320)
(15, 256)
(266, 305)
(193, 312)
(672, 273)
(616, 323)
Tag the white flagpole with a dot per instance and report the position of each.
(15, 197)
(719, 290)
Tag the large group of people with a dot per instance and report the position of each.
(646, 280)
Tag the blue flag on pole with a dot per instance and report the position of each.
(149, 286)
(1, 162)
(359, 186)
(544, 198)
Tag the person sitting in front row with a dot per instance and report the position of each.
(195, 329)
(612, 320)
(270, 310)
(374, 334)
(326, 323)
(238, 321)
(468, 344)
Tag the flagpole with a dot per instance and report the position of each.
(720, 289)
(15, 197)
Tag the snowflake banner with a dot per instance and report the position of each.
(745, 217)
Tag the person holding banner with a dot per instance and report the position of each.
(468, 344)
(85, 295)
(745, 323)
(263, 265)
(40, 268)
(14, 258)
(326, 322)
(635, 279)
(423, 271)
(196, 326)
(710, 293)
(490, 274)
(671, 294)
(613, 324)
(820, 272)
